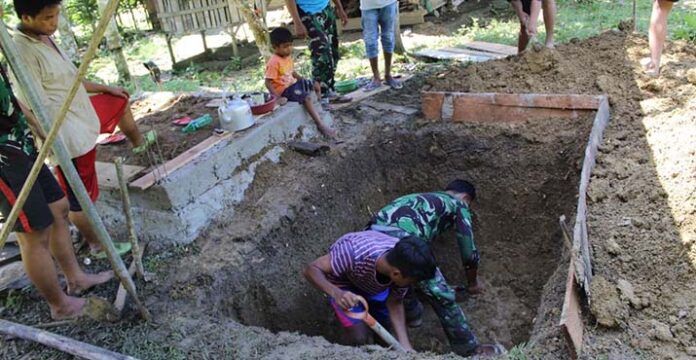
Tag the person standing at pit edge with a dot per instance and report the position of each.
(42, 225)
(316, 19)
(657, 35)
(87, 116)
(528, 13)
(427, 216)
(379, 15)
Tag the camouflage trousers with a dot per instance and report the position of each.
(441, 297)
(323, 44)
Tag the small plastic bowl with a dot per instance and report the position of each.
(346, 86)
(268, 106)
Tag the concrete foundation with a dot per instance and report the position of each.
(198, 184)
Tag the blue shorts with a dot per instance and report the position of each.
(373, 21)
(299, 91)
(377, 304)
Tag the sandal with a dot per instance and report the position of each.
(122, 248)
(113, 139)
(394, 83)
(150, 138)
(372, 85)
(340, 99)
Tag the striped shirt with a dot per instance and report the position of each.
(354, 262)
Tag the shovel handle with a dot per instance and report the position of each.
(374, 325)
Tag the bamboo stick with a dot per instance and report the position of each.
(62, 343)
(132, 236)
(28, 86)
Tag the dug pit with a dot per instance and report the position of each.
(527, 175)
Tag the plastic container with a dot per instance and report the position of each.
(197, 124)
(346, 86)
(266, 107)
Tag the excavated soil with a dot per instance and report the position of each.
(245, 267)
(157, 116)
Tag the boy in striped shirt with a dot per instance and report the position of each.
(378, 267)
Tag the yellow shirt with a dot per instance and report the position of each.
(53, 75)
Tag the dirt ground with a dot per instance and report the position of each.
(245, 267)
(159, 117)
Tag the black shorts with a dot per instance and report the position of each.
(15, 166)
(526, 6)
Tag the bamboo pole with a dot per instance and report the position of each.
(62, 343)
(28, 86)
(132, 236)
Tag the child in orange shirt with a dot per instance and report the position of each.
(283, 82)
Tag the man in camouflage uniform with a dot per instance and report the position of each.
(427, 215)
(317, 20)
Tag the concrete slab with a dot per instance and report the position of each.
(214, 177)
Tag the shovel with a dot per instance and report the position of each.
(375, 326)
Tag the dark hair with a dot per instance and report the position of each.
(413, 257)
(462, 187)
(32, 7)
(280, 36)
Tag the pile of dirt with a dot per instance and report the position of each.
(171, 140)
(642, 207)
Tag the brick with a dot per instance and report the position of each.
(431, 105)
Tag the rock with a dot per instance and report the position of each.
(606, 305)
(683, 314)
(691, 76)
(691, 350)
(612, 247)
(661, 331)
(626, 289)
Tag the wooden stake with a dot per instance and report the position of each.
(59, 342)
(132, 236)
(634, 16)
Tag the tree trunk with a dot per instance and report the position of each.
(151, 8)
(258, 29)
(398, 41)
(67, 38)
(113, 41)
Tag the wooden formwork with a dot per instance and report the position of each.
(496, 107)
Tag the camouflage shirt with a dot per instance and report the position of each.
(14, 129)
(428, 215)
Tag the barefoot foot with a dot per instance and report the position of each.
(73, 307)
(87, 281)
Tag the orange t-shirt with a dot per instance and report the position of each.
(279, 70)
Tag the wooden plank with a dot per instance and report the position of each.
(491, 47)
(405, 18)
(360, 94)
(184, 158)
(571, 322)
(9, 253)
(390, 107)
(551, 101)
(581, 241)
(456, 54)
(106, 173)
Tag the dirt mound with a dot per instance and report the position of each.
(642, 204)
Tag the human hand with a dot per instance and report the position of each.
(346, 299)
(343, 16)
(300, 29)
(117, 91)
(476, 288)
(531, 28)
(524, 19)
